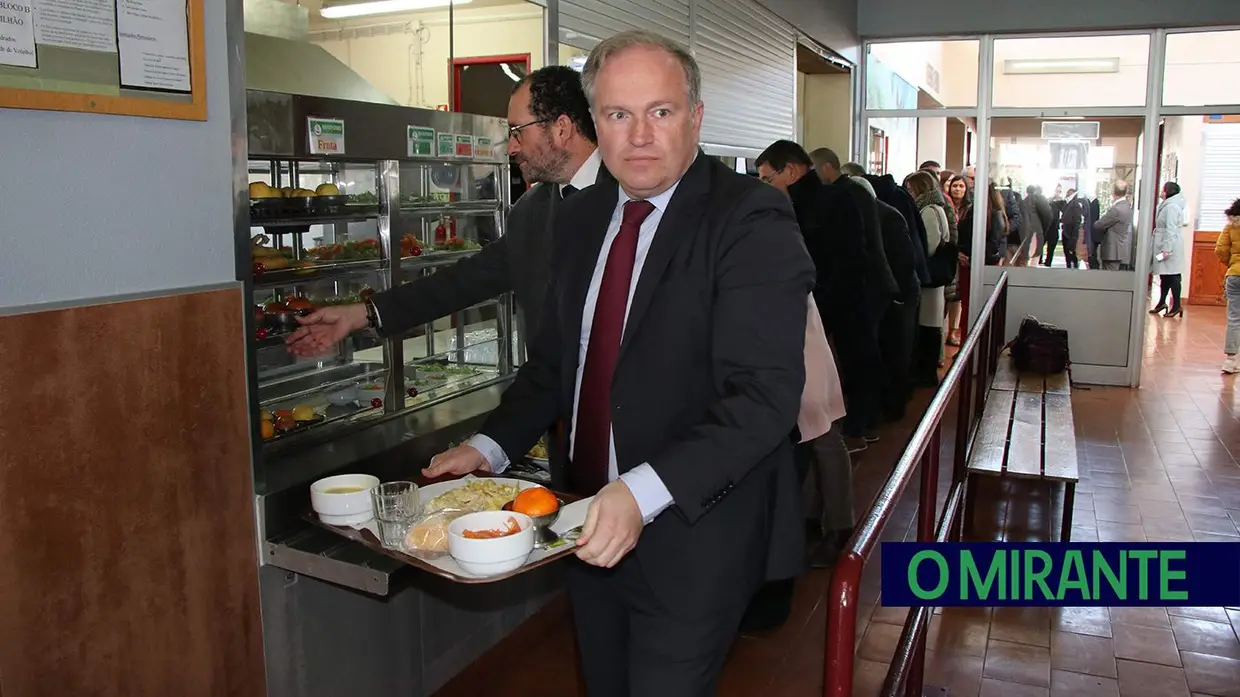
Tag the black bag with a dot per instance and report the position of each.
(943, 264)
(1040, 348)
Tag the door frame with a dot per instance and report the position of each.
(459, 64)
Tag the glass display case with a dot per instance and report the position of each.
(333, 229)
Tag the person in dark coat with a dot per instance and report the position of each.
(861, 422)
(1075, 212)
(896, 331)
(1093, 240)
(891, 193)
(1058, 203)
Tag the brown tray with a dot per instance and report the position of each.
(368, 540)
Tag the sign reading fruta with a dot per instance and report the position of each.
(326, 136)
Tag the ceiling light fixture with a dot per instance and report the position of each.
(378, 7)
(1050, 66)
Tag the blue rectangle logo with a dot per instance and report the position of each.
(1076, 574)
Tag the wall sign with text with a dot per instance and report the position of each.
(128, 57)
(326, 136)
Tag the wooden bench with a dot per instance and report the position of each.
(1027, 431)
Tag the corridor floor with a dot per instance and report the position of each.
(1157, 463)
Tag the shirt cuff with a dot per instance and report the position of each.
(491, 451)
(649, 490)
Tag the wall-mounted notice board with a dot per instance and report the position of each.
(129, 57)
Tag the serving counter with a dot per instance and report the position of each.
(340, 620)
(349, 199)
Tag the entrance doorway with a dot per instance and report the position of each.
(481, 85)
(1201, 154)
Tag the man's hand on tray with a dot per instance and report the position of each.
(458, 462)
(613, 524)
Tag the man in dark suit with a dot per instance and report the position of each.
(672, 343)
(864, 408)
(551, 136)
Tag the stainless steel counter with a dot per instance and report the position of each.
(342, 621)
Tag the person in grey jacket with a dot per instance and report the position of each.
(1115, 230)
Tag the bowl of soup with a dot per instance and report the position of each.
(343, 499)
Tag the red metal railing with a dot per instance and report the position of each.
(968, 378)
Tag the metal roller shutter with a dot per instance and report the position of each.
(584, 23)
(748, 60)
(1220, 174)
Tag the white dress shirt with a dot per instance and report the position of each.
(647, 488)
(586, 174)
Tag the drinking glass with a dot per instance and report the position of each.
(396, 505)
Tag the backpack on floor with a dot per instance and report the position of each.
(1040, 348)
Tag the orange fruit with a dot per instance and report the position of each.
(535, 501)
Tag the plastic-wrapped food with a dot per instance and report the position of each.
(428, 536)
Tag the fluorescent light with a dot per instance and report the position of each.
(1045, 66)
(378, 7)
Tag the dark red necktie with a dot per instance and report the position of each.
(592, 443)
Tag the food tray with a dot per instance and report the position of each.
(572, 515)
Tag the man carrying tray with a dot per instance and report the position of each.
(672, 345)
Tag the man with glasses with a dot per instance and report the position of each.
(552, 139)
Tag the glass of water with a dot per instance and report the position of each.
(396, 505)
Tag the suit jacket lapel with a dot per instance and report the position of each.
(588, 239)
(679, 221)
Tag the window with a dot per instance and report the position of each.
(1201, 69)
(1066, 72)
(922, 75)
(1220, 174)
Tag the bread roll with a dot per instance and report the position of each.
(430, 535)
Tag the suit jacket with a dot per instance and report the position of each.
(894, 195)
(899, 248)
(519, 261)
(708, 382)
(1114, 231)
(882, 284)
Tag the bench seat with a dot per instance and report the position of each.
(1027, 431)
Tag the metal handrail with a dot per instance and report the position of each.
(842, 598)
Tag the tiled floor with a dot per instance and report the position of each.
(1156, 464)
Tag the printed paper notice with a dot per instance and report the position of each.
(89, 25)
(326, 136)
(421, 141)
(17, 34)
(153, 39)
(445, 145)
(483, 147)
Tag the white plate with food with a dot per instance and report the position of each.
(445, 502)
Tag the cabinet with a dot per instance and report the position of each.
(1207, 275)
(407, 193)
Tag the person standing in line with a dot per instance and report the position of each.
(1047, 256)
(866, 386)
(673, 345)
(1168, 249)
(1075, 211)
(896, 331)
(830, 226)
(923, 187)
(1227, 249)
(1115, 231)
(956, 294)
